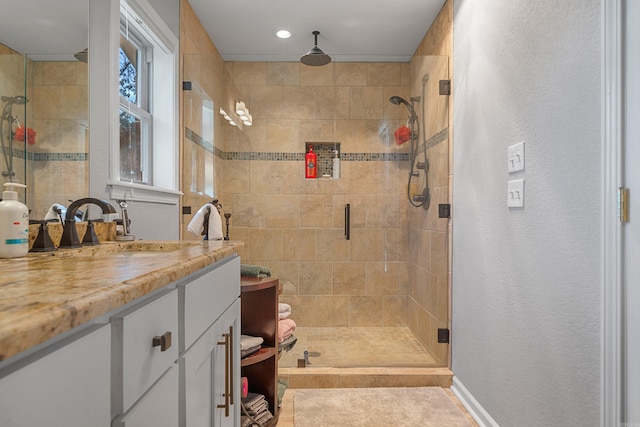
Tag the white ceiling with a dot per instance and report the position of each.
(350, 30)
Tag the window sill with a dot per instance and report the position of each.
(142, 193)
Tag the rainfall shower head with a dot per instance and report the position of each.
(397, 100)
(315, 56)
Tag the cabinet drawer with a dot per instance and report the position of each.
(158, 407)
(145, 345)
(207, 297)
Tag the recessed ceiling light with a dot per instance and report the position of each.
(283, 34)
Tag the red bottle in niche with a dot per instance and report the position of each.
(311, 164)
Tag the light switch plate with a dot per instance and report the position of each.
(515, 157)
(515, 193)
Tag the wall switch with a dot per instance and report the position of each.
(515, 157)
(515, 194)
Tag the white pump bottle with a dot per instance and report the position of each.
(14, 224)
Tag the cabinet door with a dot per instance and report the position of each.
(158, 407)
(67, 387)
(226, 370)
(205, 376)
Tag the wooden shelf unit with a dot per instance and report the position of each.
(259, 318)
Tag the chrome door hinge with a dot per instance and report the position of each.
(623, 204)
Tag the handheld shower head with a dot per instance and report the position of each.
(19, 99)
(397, 100)
(11, 101)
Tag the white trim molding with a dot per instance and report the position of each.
(612, 144)
(473, 407)
(119, 190)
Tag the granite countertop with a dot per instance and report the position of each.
(45, 294)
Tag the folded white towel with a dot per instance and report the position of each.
(247, 341)
(196, 226)
(284, 310)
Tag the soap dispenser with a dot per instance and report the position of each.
(14, 223)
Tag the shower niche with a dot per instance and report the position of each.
(328, 158)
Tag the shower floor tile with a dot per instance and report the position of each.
(357, 347)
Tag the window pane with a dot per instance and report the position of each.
(130, 147)
(129, 74)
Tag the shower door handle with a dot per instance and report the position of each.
(347, 221)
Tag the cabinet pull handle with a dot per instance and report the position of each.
(227, 375)
(231, 374)
(164, 341)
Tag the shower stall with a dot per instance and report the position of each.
(368, 286)
(381, 297)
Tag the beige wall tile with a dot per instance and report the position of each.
(315, 211)
(381, 278)
(332, 311)
(332, 246)
(394, 310)
(316, 76)
(299, 245)
(365, 311)
(267, 102)
(383, 74)
(254, 73)
(299, 102)
(351, 74)
(366, 102)
(283, 136)
(349, 278)
(265, 244)
(316, 278)
(282, 73)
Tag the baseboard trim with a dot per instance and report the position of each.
(472, 406)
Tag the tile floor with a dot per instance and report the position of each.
(357, 347)
(286, 411)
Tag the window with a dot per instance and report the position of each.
(135, 118)
(145, 147)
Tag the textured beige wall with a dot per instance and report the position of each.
(295, 225)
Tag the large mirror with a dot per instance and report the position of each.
(44, 101)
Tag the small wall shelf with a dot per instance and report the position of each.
(325, 153)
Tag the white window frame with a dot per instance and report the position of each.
(163, 105)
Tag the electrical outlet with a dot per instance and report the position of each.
(515, 157)
(515, 193)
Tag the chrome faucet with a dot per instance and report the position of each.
(70, 237)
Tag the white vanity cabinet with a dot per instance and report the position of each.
(64, 385)
(170, 358)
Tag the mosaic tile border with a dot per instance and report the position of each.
(50, 157)
(250, 155)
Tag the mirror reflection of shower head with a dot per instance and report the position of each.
(11, 101)
(397, 100)
(19, 99)
(82, 56)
